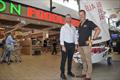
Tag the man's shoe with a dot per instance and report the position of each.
(63, 76)
(8, 63)
(83, 76)
(88, 79)
(71, 74)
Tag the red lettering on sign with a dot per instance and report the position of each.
(42, 15)
(100, 11)
(62, 21)
(90, 7)
(38, 14)
(47, 16)
(99, 4)
(74, 22)
(31, 12)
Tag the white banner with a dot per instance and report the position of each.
(95, 13)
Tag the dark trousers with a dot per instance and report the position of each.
(70, 48)
(54, 50)
(6, 55)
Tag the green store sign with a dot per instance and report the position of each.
(12, 8)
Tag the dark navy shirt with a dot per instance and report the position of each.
(85, 31)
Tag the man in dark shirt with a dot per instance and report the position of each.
(85, 32)
(54, 44)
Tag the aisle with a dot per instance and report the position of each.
(46, 67)
(116, 56)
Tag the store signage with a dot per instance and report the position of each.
(43, 15)
(12, 8)
(40, 14)
(34, 13)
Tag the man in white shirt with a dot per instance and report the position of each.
(68, 40)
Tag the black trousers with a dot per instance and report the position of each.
(54, 50)
(70, 48)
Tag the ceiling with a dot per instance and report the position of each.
(111, 7)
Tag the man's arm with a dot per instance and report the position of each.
(97, 32)
(76, 37)
(76, 40)
(62, 33)
(95, 28)
(62, 36)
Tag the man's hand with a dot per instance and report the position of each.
(97, 32)
(89, 42)
(63, 48)
(76, 48)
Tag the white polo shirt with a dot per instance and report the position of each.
(68, 34)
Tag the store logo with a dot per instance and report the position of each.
(43, 15)
(13, 9)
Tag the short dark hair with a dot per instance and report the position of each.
(68, 15)
(82, 11)
(9, 33)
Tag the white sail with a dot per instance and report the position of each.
(94, 12)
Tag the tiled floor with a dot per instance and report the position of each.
(116, 56)
(46, 67)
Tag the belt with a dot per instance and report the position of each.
(69, 43)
